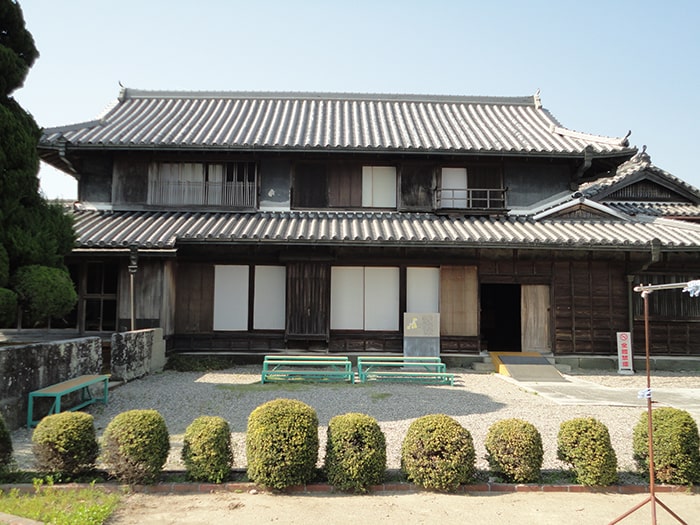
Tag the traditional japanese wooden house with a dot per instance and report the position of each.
(252, 222)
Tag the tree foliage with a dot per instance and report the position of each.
(32, 230)
(44, 292)
(17, 49)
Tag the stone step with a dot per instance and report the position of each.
(483, 367)
(564, 369)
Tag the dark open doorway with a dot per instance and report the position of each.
(500, 317)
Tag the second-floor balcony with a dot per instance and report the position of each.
(216, 194)
(479, 199)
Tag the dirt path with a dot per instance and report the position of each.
(412, 507)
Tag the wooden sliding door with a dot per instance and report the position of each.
(308, 300)
(459, 301)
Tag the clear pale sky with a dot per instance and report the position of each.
(603, 67)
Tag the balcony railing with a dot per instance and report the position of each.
(470, 198)
(228, 194)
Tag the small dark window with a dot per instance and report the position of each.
(417, 186)
(100, 297)
(94, 278)
(310, 186)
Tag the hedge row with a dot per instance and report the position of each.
(282, 448)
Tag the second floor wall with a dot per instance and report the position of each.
(478, 185)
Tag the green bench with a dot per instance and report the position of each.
(401, 368)
(306, 368)
(57, 391)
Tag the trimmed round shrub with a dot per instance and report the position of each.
(676, 446)
(206, 449)
(8, 308)
(355, 452)
(135, 446)
(65, 444)
(584, 443)
(44, 292)
(514, 450)
(438, 453)
(5, 447)
(282, 443)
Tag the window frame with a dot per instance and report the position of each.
(101, 296)
(203, 184)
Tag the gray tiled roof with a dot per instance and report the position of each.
(165, 230)
(330, 121)
(686, 210)
(635, 167)
(638, 168)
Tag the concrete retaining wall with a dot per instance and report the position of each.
(136, 354)
(26, 368)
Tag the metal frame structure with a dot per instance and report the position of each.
(645, 290)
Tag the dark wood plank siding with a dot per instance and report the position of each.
(590, 306)
(95, 182)
(308, 300)
(668, 338)
(345, 185)
(674, 316)
(130, 182)
(149, 295)
(195, 298)
(169, 298)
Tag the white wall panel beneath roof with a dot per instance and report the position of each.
(381, 298)
(270, 298)
(454, 186)
(379, 186)
(230, 297)
(423, 290)
(347, 298)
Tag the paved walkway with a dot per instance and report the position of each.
(575, 391)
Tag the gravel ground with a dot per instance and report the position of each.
(477, 401)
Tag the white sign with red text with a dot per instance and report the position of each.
(625, 362)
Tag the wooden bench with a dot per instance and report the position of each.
(307, 368)
(401, 368)
(57, 391)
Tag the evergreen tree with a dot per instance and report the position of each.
(32, 230)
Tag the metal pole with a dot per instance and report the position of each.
(133, 267)
(650, 426)
(131, 298)
(652, 287)
(645, 291)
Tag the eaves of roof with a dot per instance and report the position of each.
(638, 167)
(575, 202)
(155, 230)
(331, 122)
(656, 209)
